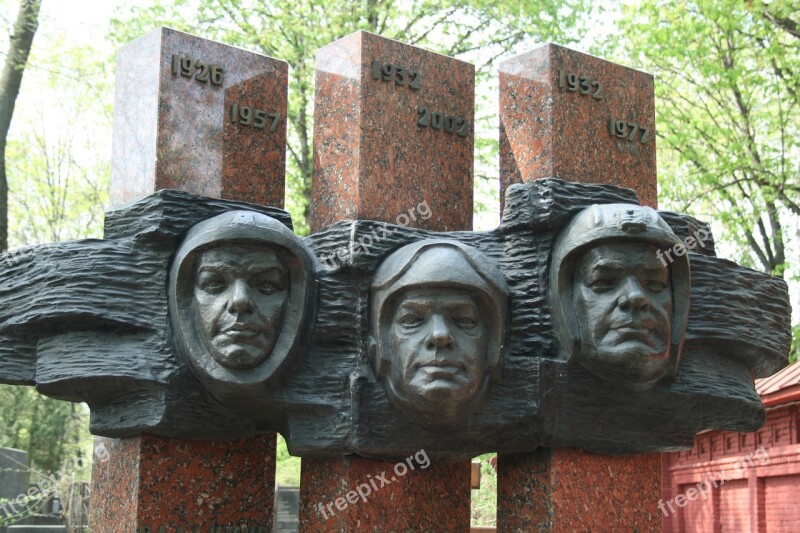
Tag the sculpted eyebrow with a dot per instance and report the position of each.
(265, 269)
(458, 304)
(414, 305)
(608, 265)
(215, 267)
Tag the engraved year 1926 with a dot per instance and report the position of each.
(580, 84)
(202, 72)
(391, 72)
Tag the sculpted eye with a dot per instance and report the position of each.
(655, 285)
(602, 284)
(466, 322)
(268, 286)
(212, 284)
(410, 320)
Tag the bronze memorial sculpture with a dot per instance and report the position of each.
(439, 318)
(619, 311)
(581, 321)
(232, 280)
(458, 342)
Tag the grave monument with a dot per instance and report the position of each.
(201, 324)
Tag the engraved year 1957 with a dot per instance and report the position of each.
(581, 84)
(202, 72)
(256, 118)
(390, 72)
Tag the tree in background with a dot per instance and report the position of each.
(20, 42)
(479, 31)
(728, 101)
(58, 177)
(53, 432)
(728, 122)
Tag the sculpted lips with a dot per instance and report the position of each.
(441, 368)
(640, 330)
(240, 329)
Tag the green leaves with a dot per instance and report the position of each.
(727, 118)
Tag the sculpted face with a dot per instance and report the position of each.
(438, 340)
(439, 312)
(623, 303)
(240, 294)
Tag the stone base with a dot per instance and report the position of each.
(433, 499)
(562, 489)
(151, 481)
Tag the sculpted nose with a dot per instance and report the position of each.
(632, 296)
(439, 335)
(240, 301)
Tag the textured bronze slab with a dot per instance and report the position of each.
(101, 336)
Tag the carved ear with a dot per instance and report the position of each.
(372, 353)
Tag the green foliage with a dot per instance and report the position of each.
(728, 128)
(53, 432)
(58, 176)
(484, 499)
(287, 468)
(794, 355)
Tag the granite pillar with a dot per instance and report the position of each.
(143, 483)
(381, 146)
(207, 118)
(198, 116)
(562, 489)
(568, 115)
(377, 155)
(572, 116)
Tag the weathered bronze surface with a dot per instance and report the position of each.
(239, 293)
(619, 311)
(439, 322)
(575, 323)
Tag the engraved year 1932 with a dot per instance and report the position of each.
(581, 84)
(391, 72)
(202, 72)
(256, 118)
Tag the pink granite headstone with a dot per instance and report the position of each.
(207, 118)
(568, 115)
(392, 128)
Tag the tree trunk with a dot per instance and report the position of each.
(19, 48)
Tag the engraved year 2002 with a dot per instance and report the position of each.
(400, 75)
(256, 118)
(439, 121)
(580, 84)
(202, 72)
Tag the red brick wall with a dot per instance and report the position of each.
(742, 482)
(783, 512)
